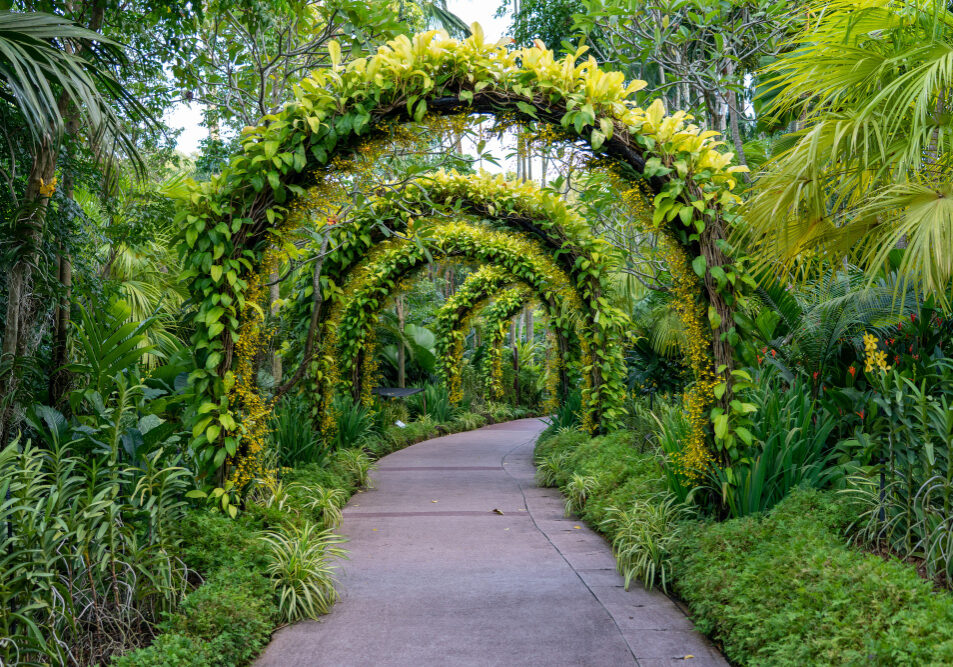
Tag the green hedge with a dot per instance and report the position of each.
(229, 619)
(778, 589)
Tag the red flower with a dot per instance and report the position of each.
(816, 373)
(911, 348)
(759, 359)
(852, 371)
(860, 414)
(774, 353)
(896, 359)
(913, 317)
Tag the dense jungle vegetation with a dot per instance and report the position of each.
(788, 472)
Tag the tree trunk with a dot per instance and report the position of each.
(528, 324)
(22, 308)
(401, 348)
(734, 113)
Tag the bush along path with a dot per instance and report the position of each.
(778, 588)
(458, 558)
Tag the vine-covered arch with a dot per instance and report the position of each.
(380, 276)
(455, 317)
(498, 316)
(232, 220)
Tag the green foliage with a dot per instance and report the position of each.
(168, 650)
(866, 177)
(785, 589)
(69, 521)
(231, 615)
(568, 413)
(467, 421)
(355, 422)
(549, 469)
(781, 588)
(223, 240)
(433, 402)
(302, 569)
(643, 535)
(107, 487)
(577, 489)
(906, 435)
(293, 435)
(790, 449)
(110, 344)
(34, 65)
(327, 503)
(355, 463)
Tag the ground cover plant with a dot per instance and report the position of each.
(783, 587)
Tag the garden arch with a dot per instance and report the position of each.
(497, 315)
(455, 316)
(232, 221)
(380, 277)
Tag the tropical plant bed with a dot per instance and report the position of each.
(250, 587)
(781, 588)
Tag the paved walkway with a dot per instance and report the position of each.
(437, 576)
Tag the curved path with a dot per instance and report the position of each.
(458, 558)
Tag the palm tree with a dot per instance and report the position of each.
(437, 14)
(54, 75)
(867, 170)
(41, 66)
(806, 326)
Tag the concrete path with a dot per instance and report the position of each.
(437, 576)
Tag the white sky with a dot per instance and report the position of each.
(189, 117)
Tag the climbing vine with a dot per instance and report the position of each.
(226, 226)
(378, 278)
(497, 318)
(455, 317)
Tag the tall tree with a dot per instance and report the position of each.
(64, 75)
(699, 55)
(251, 53)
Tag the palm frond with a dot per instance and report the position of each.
(35, 68)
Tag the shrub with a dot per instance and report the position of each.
(295, 440)
(577, 491)
(785, 589)
(355, 463)
(643, 535)
(568, 413)
(355, 422)
(467, 421)
(168, 650)
(790, 450)
(300, 564)
(782, 588)
(327, 503)
(232, 613)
